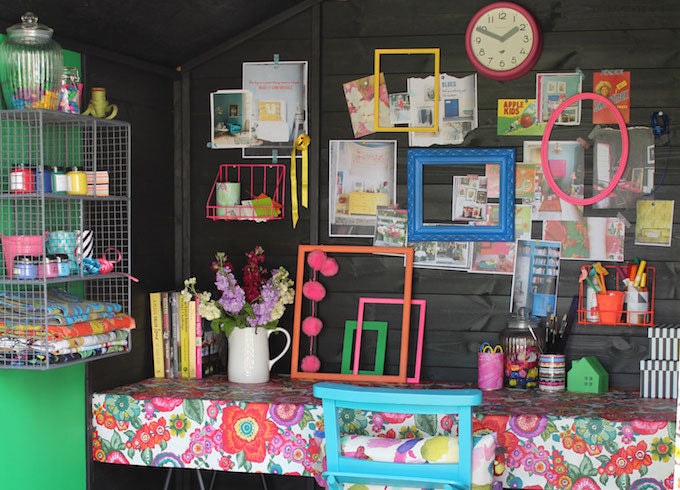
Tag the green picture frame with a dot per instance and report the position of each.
(380, 347)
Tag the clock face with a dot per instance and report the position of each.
(503, 41)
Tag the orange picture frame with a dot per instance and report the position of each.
(407, 254)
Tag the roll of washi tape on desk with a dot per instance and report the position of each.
(490, 368)
(551, 372)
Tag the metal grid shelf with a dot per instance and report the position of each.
(39, 228)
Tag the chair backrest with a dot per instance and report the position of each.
(346, 469)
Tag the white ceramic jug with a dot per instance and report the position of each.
(248, 352)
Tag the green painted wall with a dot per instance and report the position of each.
(43, 436)
(43, 429)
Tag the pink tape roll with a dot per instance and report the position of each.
(490, 370)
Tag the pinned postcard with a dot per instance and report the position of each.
(592, 238)
(518, 117)
(361, 107)
(615, 85)
(554, 88)
(654, 222)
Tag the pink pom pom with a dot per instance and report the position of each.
(310, 364)
(316, 258)
(312, 326)
(329, 268)
(313, 290)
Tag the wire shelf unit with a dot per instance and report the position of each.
(52, 285)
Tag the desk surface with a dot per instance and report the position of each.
(547, 440)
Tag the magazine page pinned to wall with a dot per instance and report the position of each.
(536, 277)
(615, 85)
(591, 238)
(442, 255)
(279, 106)
(230, 119)
(457, 109)
(361, 106)
(362, 176)
(638, 178)
(493, 257)
(654, 222)
(554, 88)
(567, 165)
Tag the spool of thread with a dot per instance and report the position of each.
(551, 372)
(77, 182)
(490, 370)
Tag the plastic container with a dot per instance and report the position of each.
(31, 65)
(522, 342)
(13, 245)
(25, 267)
(77, 182)
(59, 181)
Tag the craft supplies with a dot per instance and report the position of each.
(21, 180)
(59, 181)
(25, 267)
(551, 372)
(70, 91)
(43, 180)
(522, 341)
(77, 182)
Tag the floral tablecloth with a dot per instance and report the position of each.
(614, 440)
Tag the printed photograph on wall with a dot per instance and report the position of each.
(442, 255)
(230, 122)
(554, 88)
(362, 176)
(536, 276)
(279, 105)
(591, 238)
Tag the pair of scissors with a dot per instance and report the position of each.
(489, 349)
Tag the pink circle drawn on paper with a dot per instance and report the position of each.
(546, 139)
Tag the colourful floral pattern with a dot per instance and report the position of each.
(553, 441)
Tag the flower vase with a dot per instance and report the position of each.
(248, 354)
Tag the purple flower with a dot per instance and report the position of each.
(233, 297)
(262, 310)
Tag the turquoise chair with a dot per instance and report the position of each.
(343, 469)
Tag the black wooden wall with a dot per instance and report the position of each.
(338, 39)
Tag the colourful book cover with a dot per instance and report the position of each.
(517, 117)
(183, 314)
(615, 85)
(167, 337)
(192, 338)
(156, 313)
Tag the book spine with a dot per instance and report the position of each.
(156, 314)
(183, 312)
(167, 340)
(192, 338)
(199, 342)
(176, 340)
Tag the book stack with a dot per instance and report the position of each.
(181, 349)
(659, 375)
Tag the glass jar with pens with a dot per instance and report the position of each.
(522, 341)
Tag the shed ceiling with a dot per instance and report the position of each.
(166, 33)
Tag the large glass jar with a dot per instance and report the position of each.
(31, 64)
(522, 341)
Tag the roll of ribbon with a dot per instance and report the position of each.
(301, 143)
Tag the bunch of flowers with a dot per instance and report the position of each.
(260, 302)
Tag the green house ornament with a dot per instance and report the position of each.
(587, 376)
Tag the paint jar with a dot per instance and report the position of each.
(25, 267)
(522, 345)
(48, 266)
(63, 265)
(77, 182)
(21, 180)
(59, 181)
(43, 180)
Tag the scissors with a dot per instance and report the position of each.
(487, 348)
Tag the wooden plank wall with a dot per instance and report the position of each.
(463, 309)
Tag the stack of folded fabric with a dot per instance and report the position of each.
(65, 328)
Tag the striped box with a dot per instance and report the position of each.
(665, 342)
(97, 183)
(658, 378)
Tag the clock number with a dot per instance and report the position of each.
(478, 40)
(514, 60)
(502, 15)
(490, 60)
(526, 38)
(522, 27)
(502, 64)
(482, 52)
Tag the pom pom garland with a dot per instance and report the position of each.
(310, 364)
(329, 268)
(316, 259)
(313, 290)
(312, 326)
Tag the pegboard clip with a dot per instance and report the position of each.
(275, 156)
(276, 60)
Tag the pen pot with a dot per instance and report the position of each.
(610, 305)
(490, 370)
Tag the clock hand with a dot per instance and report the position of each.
(509, 34)
(485, 31)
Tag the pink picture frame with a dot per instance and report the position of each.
(421, 303)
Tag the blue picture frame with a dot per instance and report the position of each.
(465, 159)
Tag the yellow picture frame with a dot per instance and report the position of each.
(376, 90)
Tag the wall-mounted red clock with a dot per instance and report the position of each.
(503, 41)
